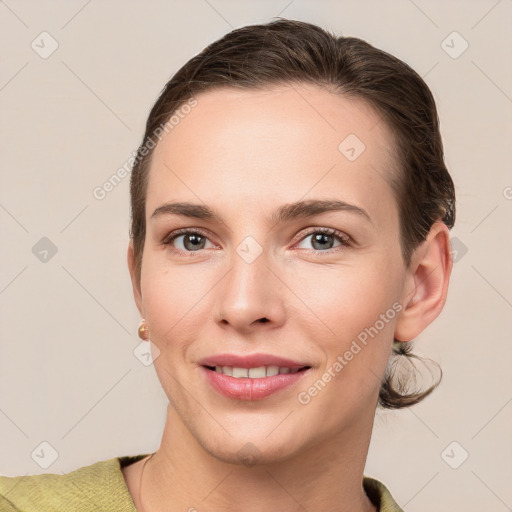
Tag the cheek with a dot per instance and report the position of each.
(348, 299)
(359, 307)
(172, 304)
(171, 295)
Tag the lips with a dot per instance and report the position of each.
(251, 377)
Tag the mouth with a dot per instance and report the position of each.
(251, 377)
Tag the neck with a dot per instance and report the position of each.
(181, 475)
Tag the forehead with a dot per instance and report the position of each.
(281, 143)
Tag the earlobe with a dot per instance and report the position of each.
(426, 286)
(135, 278)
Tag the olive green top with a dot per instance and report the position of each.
(100, 487)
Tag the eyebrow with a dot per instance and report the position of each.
(284, 213)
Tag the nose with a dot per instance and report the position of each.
(250, 296)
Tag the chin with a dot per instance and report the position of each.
(245, 452)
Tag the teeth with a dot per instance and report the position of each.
(240, 372)
(254, 373)
(257, 373)
(272, 370)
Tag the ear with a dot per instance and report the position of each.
(426, 284)
(135, 277)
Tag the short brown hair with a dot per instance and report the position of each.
(288, 51)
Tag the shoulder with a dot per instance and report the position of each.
(97, 487)
(380, 495)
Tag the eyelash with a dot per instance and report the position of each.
(345, 240)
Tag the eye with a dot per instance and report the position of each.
(323, 238)
(191, 240)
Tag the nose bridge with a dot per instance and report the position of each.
(250, 290)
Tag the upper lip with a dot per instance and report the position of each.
(250, 361)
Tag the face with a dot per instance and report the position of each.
(318, 287)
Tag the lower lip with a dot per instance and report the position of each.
(251, 389)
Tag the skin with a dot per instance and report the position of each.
(245, 153)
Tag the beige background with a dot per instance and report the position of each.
(68, 375)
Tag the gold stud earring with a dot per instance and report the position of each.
(143, 330)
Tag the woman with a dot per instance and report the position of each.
(290, 237)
